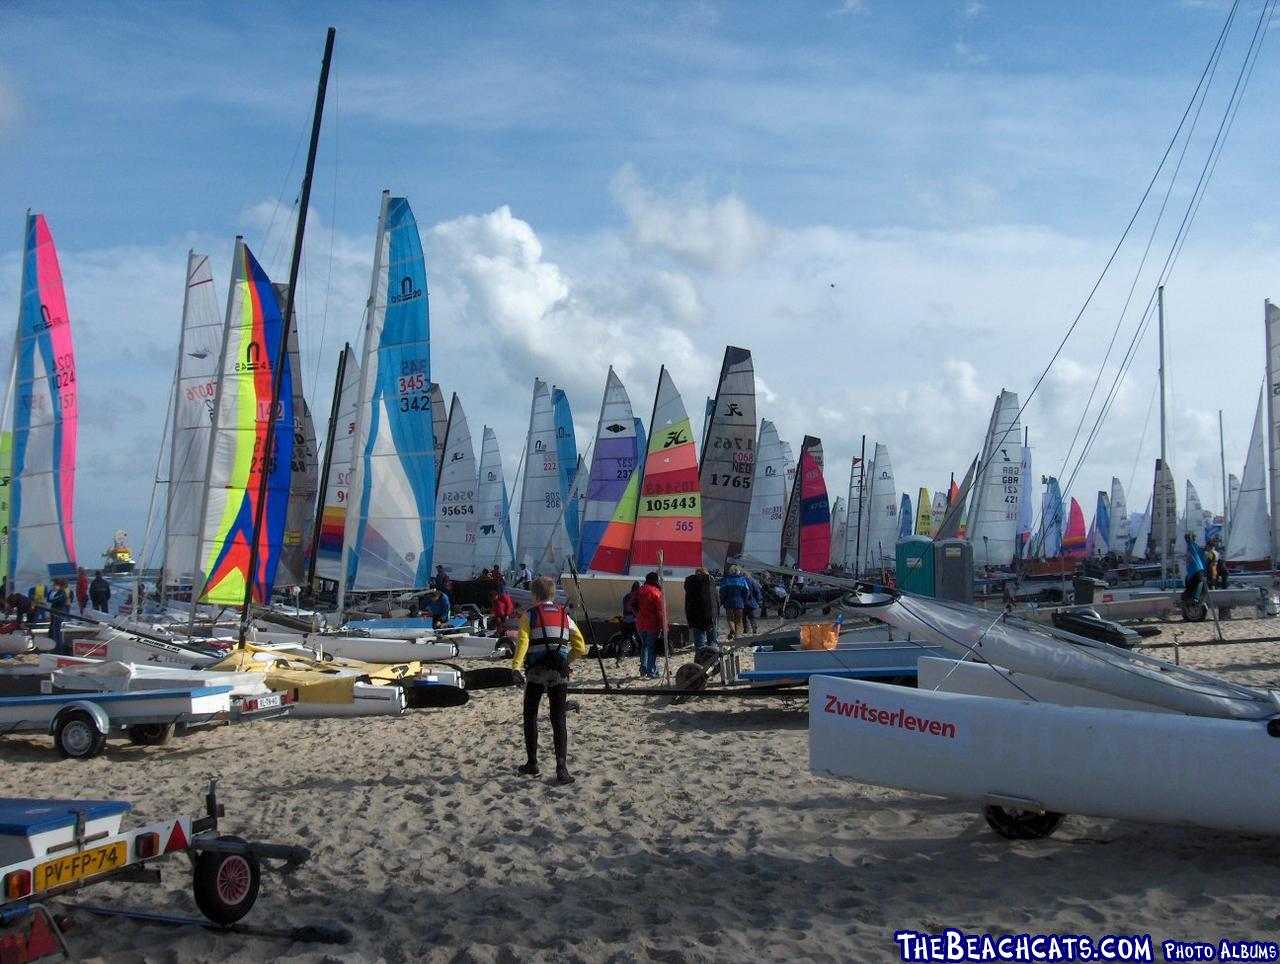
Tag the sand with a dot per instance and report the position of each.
(694, 833)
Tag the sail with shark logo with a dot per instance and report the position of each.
(295, 553)
(390, 532)
(669, 517)
(992, 524)
(763, 540)
(614, 460)
(493, 510)
(45, 414)
(567, 459)
(199, 349)
(813, 549)
(455, 545)
(882, 537)
(540, 498)
(237, 452)
(337, 488)
(728, 460)
(1118, 538)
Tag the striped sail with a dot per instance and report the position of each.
(1100, 528)
(389, 536)
(839, 523)
(1118, 537)
(199, 351)
(337, 493)
(924, 513)
(456, 531)
(1249, 538)
(238, 456)
(493, 511)
(439, 424)
(567, 460)
(728, 459)
(882, 536)
(614, 461)
(540, 497)
(763, 540)
(669, 518)
(905, 517)
(295, 554)
(813, 510)
(992, 523)
(45, 417)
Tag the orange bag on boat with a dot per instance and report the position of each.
(818, 636)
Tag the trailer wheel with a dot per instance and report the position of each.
(620, 646)
(791, 610)
(226, 885)
(504, 649)
(1194, 612)
(77, 736)
(1022, 824)
(150, 734)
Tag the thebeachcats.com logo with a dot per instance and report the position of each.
(956, 945)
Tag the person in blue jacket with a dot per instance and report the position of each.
(735, 594)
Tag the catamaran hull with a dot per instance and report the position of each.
(372, 650)
(14, 644)
(1153, 767)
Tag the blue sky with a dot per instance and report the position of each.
(639, 183)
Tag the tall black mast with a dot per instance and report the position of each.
(328, 460)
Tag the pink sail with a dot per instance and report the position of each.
(1075, 541)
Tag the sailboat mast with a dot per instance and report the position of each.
(1226, 496)
(1164, 463)
(862, 508)
(9, 414)
(282, 352)
(328, 461)
(1272, 453)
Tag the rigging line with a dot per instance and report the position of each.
(284, 186)
(333, 231)
(1187, 220)
(1146, 424)
(1128, 227)
(1216, 59)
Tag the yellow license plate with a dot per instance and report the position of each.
(86, 863)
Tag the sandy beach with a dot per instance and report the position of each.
(694, 833)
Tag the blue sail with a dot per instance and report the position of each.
(905, 518)
(567, 452)
(395, 521)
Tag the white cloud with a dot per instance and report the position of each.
(967, 54)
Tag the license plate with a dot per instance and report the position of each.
(86, 863)
(268, 702)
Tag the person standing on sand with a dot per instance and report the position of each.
(82, 589)
(100, 593)
(549, 641)
(755, 604)
(59, 601)
(734, 594)
(701, 610)
(649, 623)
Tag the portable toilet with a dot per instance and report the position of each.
(916, 565)
(953, 570)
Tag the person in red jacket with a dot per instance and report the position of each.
(650, 623)
(502, 607)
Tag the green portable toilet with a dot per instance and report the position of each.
(916, 565)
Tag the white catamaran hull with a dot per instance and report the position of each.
(1154, 767)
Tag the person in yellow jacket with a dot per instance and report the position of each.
(549, 641)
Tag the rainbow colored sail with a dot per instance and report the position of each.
(1075, 539)
(238, 456)
(614, 462)
(45, 415)
(669, 517)
(814, 510)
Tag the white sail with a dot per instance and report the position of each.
(839, 526)
(439, 423)
(1233, 493)
(883, 500)
(858, 530)
(493, 511)
(540, 509)
(1164, 520)
(938, 511)
(1272, 313)
(1119, 541)
(390, 534)
(993, 513)
(337, 493)
(768, 499)
(1141, 547)
(455, 545)
(1249, 539)
(1192, 515)
(193, 403)
(728, 456)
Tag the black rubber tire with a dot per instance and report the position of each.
(791, 610)
(621, 646)
(77, 736)
(1194, 612)
(691, 676)
(1022, 824)
(150, 734)
(225, 886)
(505, 648)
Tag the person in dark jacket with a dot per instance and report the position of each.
(701, 610)
(100, 593)
(734, 595)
